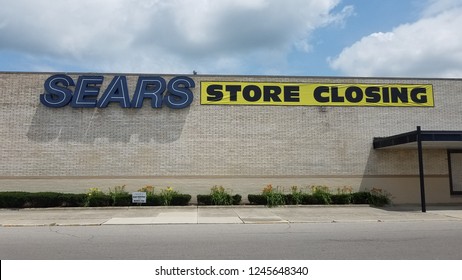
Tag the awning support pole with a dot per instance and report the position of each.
(421, 170)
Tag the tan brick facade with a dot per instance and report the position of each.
(241, 147)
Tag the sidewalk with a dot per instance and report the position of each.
(219, 215)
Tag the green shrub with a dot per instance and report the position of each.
(123, 199)
(257, 199)
(206, 199)
(360, 197)
(96, 198)
(378, 197)
(291, 199)
(321, 195)
(167, 195)
(308, 199)
(180, 199)
(153, 200)
(237, 198)
(219, 196)
(375, 197)
(93, 198)
(13, 199)
(40, 199)
(274, 197)
(43, 199)
(295, 195)
(342, 198)
(343, 195)
(120, 197)
(73, 200)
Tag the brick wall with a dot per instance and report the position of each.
(214, 141)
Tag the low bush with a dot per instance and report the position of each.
(320, 195)
(93, 198)
(378, 197)
(237, 198)
(166, 197)
(153, 200)
(43, 199)
(40, 199)
(96, 198)
(13, 199)
(206, 199)
(360, 197)
(120, 197)
(219, 196)
(308, 199)
(180, 199)
(124, 199)
(295, 197)
(73, 199)
(274, 197)
(257, 199)
(342, 198)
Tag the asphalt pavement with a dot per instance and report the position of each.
(242, 214)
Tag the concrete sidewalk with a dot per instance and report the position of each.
(219, 215)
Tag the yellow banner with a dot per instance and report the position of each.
(297, 94)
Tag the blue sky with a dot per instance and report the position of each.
(369, 16)
(400, 38)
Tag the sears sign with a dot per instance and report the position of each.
(59, 92)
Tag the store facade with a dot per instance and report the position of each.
(71, 132)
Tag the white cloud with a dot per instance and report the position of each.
(434, 7)
(429, 47)
(162, 36)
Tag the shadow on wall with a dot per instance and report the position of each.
(390, 169)
(397, 172)
(85, 125)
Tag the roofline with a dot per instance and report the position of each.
(229, 75)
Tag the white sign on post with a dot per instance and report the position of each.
(138, 197)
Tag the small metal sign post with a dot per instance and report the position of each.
(138, 197)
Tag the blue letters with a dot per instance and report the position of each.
(57, 93)
(179, 96)
(86, 91)
(176, 94)
(117, 91)
(149, 87)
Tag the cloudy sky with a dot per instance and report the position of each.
(410, 38)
